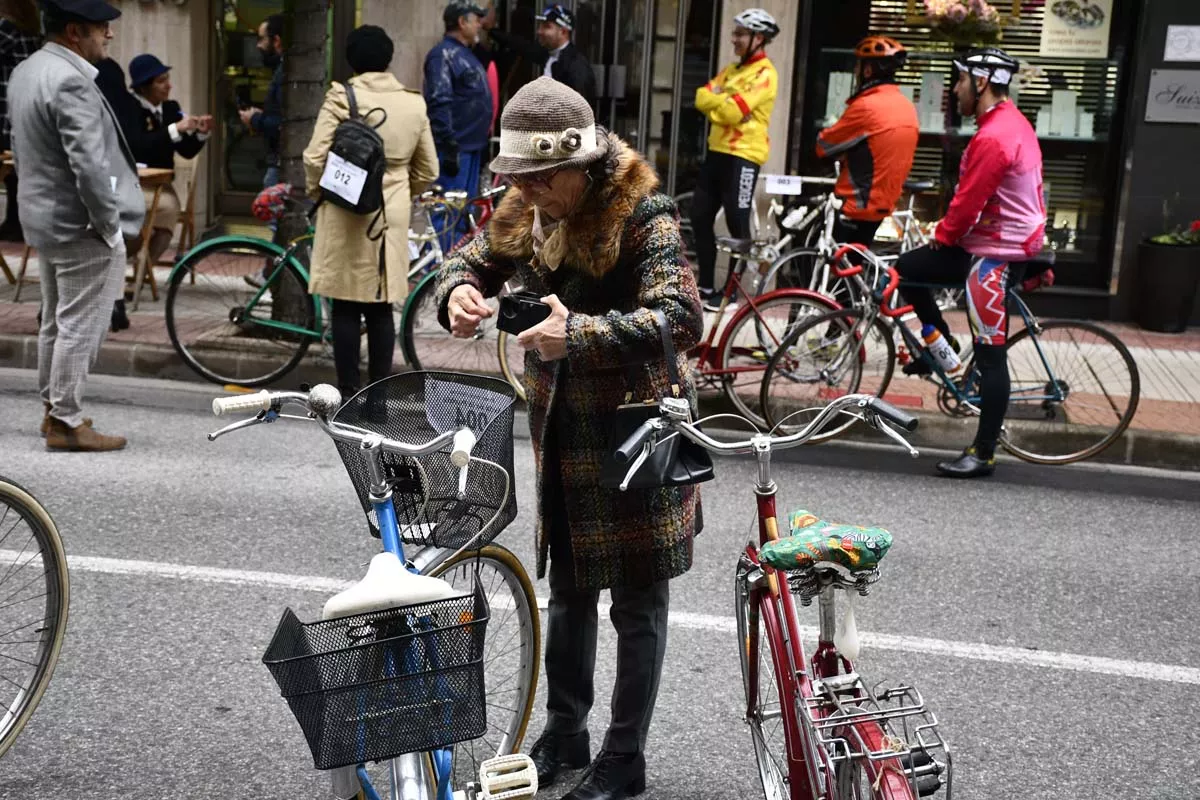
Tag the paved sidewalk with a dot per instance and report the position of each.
(1169, 369)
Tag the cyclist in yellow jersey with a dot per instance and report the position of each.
(738, 103)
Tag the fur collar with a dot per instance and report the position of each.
(594, 231)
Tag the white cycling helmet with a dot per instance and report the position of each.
(758, 21)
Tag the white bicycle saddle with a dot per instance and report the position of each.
(387, 584)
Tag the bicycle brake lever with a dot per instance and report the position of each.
(636, 465)
(262, 416)
(882, 424)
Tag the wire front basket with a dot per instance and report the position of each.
(415, 407)
(376, 685)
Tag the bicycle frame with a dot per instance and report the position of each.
(960, 390)
(707, 353)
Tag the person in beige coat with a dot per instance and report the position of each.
(346, 249)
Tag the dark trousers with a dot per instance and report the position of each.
(347, 317)
(725, 182)
(639, 614)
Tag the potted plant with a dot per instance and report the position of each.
(964, 23)
(1168, 277)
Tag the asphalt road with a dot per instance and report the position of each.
(1047, 615)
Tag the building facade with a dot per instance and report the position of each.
(1115, 172)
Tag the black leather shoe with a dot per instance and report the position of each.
(968, 465)
(554, 752)
(612, 776)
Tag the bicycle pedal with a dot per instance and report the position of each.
(512, 777)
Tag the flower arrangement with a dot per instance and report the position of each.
(1183, 235)
(964, 22)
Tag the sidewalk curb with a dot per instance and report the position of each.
(1141, 448)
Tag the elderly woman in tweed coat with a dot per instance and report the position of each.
(587, 229)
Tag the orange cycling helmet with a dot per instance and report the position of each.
(880, 47)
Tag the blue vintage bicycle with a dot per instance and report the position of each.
(397, 690)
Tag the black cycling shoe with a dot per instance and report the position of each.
(554, 752)
(968, 465)
(612, 776)
(918, 366)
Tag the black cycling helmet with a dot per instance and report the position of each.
(991, 63)
(988, 62)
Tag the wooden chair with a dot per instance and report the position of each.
(21, 274)
(187, 218)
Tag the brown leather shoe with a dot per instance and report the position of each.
(46, 421)
(81, 439)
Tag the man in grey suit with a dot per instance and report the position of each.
(80, 202)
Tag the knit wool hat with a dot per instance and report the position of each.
(546, 125)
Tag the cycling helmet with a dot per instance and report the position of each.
(879, 47)
(269, 204)
(991, 63)
(758, 21)
(885, 54)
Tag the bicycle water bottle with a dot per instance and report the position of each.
(941, 350)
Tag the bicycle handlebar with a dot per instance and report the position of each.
(675, 417)
(320, 403)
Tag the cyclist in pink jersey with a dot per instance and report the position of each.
(995, 223)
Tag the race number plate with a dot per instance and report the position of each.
(343, 178)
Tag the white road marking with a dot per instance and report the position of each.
(1011, 656)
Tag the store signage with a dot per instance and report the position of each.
(1076, 29)
(1183, 43)
(1174, 96)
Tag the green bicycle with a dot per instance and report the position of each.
(238, 311)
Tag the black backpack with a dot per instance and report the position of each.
(356, 161)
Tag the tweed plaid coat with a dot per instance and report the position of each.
(624, 258)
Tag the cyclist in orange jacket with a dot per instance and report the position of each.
(874, 140)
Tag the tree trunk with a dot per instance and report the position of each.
(304, 84)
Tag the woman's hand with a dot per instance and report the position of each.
(466, 309)
(548, 337)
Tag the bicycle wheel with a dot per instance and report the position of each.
(753, 336)
(828, 356)
(33, 613)
(230, 331)
(427, 345)
(1075, 388)
(769, 690)
(512, 362)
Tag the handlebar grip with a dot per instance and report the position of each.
(894, 415)
(464, 442)
(259, 401)
(633, 445)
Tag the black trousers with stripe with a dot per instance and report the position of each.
(725, 182)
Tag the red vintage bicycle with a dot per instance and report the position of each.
(734, 353)
(819, 731)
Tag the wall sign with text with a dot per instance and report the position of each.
(1174, 96)
(1076, 29)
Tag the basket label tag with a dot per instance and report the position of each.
(450, 406)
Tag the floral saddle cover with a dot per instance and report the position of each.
(814, 540)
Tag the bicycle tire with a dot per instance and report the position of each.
(883, 780)
(776, 772)
(51, 628)
(521, 602)
(750, 351)
(780, 413)
(1018, 369)
(215, 291)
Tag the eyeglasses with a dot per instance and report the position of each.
(534, 180)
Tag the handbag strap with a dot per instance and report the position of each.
(664, 331)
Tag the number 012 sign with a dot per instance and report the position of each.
(343, 178)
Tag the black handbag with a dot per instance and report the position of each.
(675, 460)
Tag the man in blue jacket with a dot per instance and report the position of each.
(459, 104)
(268, 120)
